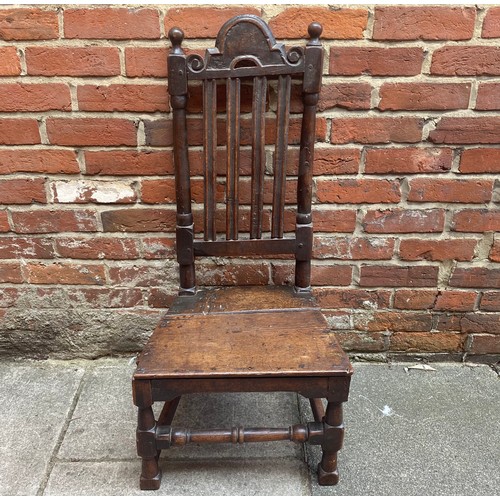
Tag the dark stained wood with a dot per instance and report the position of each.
(243, 338)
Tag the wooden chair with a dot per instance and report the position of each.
(243, 338)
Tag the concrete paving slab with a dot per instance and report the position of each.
(418, 433)
(35, 400)
(200, 477)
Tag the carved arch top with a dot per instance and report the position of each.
(245, 46)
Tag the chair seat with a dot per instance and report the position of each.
(242, 332)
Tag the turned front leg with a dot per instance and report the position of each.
(332, 442)
(146, 449)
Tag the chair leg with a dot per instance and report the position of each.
(318, 409)
(334, 434)
(146, 449)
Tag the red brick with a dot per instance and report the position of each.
(160, 298)
(491, 23)
(18, 97)
(455, 300)
(28, 24)
(460, 130)
(91, 132)
(209, 274)
(342, 298)
(424, 23)
(485, 344)
(466, 60)
(19, 131)
(4, 222)
(476, 221)
(404, 221)
(395, 276)
(27, 248)
(49, 161)
(97, 248)
(407, 160)
(490, 301)
(54, 221)
(209, 20)
(375, 130)
(417, 249)
(362, 341)
(442, 300)
(381, 321)
(349, 248)
(423, 96)
(138, 98)
(337, 275)
(122, 162)
(65, 274)
(112, 23)
(139, 220)
(480, 160)
(86, 191)
(22, 191)
(10, 65)
(475, 277)
(72, 61)
(450, 190)
(415, 299)
(358, 191)
(158, 248)
(327, 161)
(335, 220)
(480, 323)
(495, 251)
(146, 61)
(337, 24)
(344, 95)
(427, 342)
(163, 191)
(488, 96)
(376, 61)
(10, 272)
(140, 275)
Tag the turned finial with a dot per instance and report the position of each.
(176, 36)
(314, 29)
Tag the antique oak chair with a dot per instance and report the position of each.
(243, 338)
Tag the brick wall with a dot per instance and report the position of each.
(406, 178)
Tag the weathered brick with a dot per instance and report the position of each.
(376, 61)
(455, 300)
(424, 23)
(146, 61)
(395, 276)
(54, 221)
(325, 247)
(91, 131)
(404, 221)
(123, 97)
(424, 96)
(209, 20)
(337, 275)
(28, 24)
(49, 161)
(491, 23)
(17, 97)
(26, 247)
(450, 190)
(10, 64)
(337, 24)
(480, 323)
(488, 97)
(485, 344)
(10, 272)
(495, 250)
(476, 221)
(358, 191)
(475, 277)
(345, 298)
(4, 222)
(65, 274)
(160, 298)
(22, 191)
(210, 274)
(376, 130)
(362, 341)
(344, 95)
(142, 275)
(490, 301)
(327, 161)
(112, 23)
(407, 160)
(72, 61)
(461, 130)
(86, 191)
(158, 248)
(415, 299)
(123, 162)
(440, 250)
(139, 220)
(97, 248)
(480, 160)
(381, 321)
(17, 131)
(427, 342)
(466, 60)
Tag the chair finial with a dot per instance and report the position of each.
(314, 29)
(176, 36)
